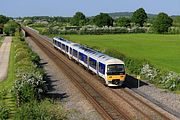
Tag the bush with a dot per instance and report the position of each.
(174, 30)
(29, 84)
(35, 58)
(137, 30)
(41, 111)
(165, 79)
(11, 27)
(4, 112)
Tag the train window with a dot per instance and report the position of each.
(59, 44)
(81, 56)
(115, 69)
(85, 59)
(92, 63)
(67, 48)
(101, 68)
(75, 53)
(63, 46)
(70, 50)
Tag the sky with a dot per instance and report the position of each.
(67, 8)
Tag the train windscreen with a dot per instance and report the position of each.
(115, 69)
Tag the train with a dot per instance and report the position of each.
(112, 70)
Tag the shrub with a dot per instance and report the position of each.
(29, 84)
(35, 58)
(11, 27)
(170, 80)
(41, 111)
(149, 72)
(29, 87)
(4, 112)
(137, 30)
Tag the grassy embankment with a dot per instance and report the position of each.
(161, 50)
(21, 103)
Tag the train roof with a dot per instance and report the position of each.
(90, 52)
(62, 40)
(99, 56)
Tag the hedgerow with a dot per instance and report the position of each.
(29, 83)
(41, 111)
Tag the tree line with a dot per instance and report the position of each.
(160, 24)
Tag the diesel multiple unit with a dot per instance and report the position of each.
(112, 70)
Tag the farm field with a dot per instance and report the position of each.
(161, 50)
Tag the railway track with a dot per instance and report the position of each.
(110, 107)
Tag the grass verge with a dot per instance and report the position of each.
(5, 86)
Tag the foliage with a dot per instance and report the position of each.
(29, 84)
(27, 21)
(3, 19)
(167, 79)
(162, 23)
(149, 72)
(78, 19)
(170, 80)
(123, 22)
(41, 111)
(4, 112)
(29, 87)
(138, 30)
(176, 21)
(103, 20)
(139, 17)
(174, 30)
(11, 27)
(50, 19)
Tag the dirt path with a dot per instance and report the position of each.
(4, 57)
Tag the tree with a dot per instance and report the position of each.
(11, 27)
(139, 17)
(161, 23)
(78, 19)
(103, 20)
(27, 21)
(3, 19)
(124, 22)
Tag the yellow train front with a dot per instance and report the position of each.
(115, 72)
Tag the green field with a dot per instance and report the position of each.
(161, 50)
